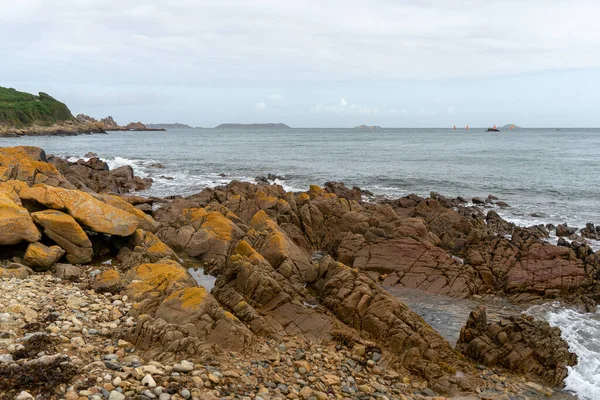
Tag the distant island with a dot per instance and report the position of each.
(367, 127)
(253, 126)
(508, 126)
(25, 114)
(176, 125)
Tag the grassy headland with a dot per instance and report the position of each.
(20, 109)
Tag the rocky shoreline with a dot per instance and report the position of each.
(81, 125)
(96, 298)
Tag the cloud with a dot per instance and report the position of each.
(343, 107)
(260, 106)
(184, 41)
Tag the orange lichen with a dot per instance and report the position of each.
(189, 299)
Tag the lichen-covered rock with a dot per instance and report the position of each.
(203, 234)
(145, 221)
(40, 257)
(15, 270)
(15, 222)
(28, 164)
(107, 281)
(150, 284)
(87, 210)
(67, 233)
(519, 343)
(144, 248)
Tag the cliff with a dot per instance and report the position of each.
(270, 125)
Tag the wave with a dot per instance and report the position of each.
(582, 333)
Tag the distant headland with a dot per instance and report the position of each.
(176, 125)
(270, 125)
(25, 114)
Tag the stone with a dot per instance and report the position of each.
(114, 395)
(183, 366)
(24, 396)
(67, 233)
(15, 270)
(148, 381)
(40, 257)
(66, 272)
(90, 212)
(17, 225)
(527, 345)
(107, 281)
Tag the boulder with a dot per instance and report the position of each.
(107, 281)
(40, 257)
(67, 233)
(17, 225)
(144, 248)
(145, 221)
(28, 164)
(149, 284)
(519, 343)
(15, 270)
(87, 210)
(66, 272)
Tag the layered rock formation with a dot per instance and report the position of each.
(309, 265)
(520, 344)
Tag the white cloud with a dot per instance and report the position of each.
(183, 41)
(261, 106)
(343, 107)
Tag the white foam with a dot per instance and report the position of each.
(582, 332)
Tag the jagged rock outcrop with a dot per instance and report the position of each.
(94, 175)
(519, 343)
(144, 248)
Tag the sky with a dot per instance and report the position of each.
(327, 63)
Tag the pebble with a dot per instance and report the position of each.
(149, 381)
(183, 366)
(114, 395)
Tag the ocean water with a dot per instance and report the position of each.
(546, 175)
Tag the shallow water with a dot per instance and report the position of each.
(447, 315)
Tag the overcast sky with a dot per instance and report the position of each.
(324, 63)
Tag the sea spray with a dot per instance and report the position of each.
(582, 332)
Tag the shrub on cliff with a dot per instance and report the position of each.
(19, 109)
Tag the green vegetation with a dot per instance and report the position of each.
(19, 109)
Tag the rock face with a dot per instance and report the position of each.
(17, 225)
(86, 209)
(40, 257)
(94, 175)
(519, 344)
(67, 233)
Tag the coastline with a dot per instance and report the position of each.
(305, 268)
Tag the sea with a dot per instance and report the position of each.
(546, 175)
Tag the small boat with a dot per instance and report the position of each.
(494, 129)
(467, 127)
(454, 127)
(512, 127)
